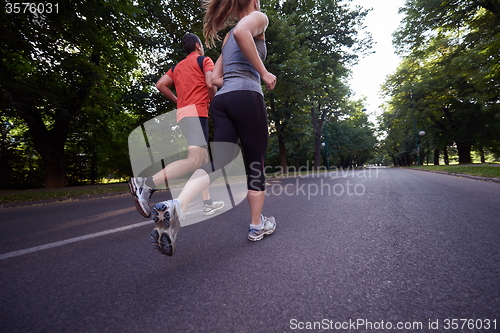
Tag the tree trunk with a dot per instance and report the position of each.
(445, 156)
(50, 144)
(436, 156)
(317, 124)
(283, 154)
(55, 171)
(407, 160)
(481, 153)
(422, 153)
(93, 167)
(297, 159)
(317, 152)
(464, 150)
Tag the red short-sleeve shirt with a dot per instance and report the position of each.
(191, 87)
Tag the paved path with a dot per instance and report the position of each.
(369, 249)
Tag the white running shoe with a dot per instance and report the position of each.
(213, 208)
(267, 227)
(167, 216)
(142, 193)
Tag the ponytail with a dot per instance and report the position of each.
(218, 15)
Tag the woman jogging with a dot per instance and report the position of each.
(238, 112)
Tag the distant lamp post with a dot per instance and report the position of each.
(421, 133)
(323, 144)
(415, 128)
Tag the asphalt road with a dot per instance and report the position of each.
(361, 251)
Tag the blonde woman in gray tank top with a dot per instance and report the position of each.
(240, 68)
(238, 112)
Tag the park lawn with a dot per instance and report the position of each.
(45, 194)
(479, 170)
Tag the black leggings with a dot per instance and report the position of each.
(241, 115)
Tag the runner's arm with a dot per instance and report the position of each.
(211, 87)
(163, 85)
(254, 25)
(217, 73)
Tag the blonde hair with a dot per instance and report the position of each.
(218, 15)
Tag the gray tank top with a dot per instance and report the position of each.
(239, 74)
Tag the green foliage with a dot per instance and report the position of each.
(448, 83)
(471, 170)
(311, 46)
(73, 84)
(20, 167)
(69, 193)
(80, 79)
(352, 140)
(64, 71)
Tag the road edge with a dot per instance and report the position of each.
(460, 175)
(61, 200)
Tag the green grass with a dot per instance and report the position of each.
(44, 194)
(472, 170)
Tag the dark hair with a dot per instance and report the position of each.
(189, 42)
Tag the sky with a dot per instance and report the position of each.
(370, 72)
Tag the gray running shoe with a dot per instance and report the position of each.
(213, 208)
(268, 225)
(142, 193)
(167, 216)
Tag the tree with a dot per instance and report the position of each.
(452, 73)
(82, 77)
(351, 137)
(311, 45)
(289, 60)
(61, 67)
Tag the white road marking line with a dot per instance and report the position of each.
(77, 239)
(69, 241)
